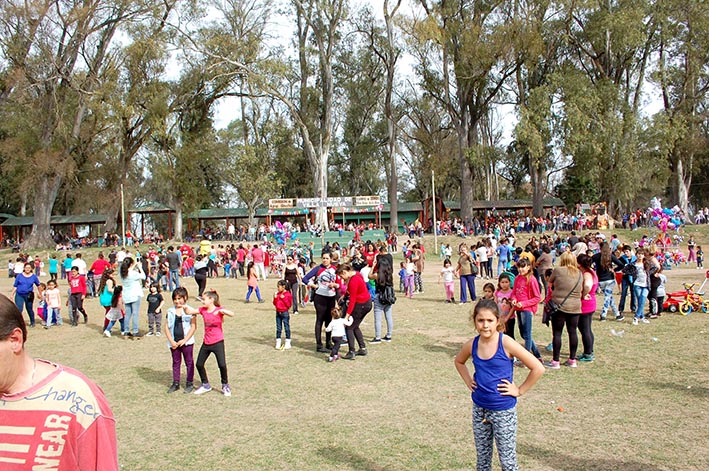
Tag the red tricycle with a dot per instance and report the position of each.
(687, 301)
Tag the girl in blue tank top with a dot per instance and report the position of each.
(493, 391)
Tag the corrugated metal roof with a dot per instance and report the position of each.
(404, 206)
(58, 220)
(151, 208)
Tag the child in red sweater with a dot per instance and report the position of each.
(77, 285)
(282, 300)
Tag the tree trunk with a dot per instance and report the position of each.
(683, 181)
(466, 176)
(536, 175)
(178, 222)
(45, 196)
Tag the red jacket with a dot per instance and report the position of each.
(357, 289)
(283, 301)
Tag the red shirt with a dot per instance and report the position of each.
(357, 289)
(77, 284)
(283, 301)
(99, 266)
(213, 321)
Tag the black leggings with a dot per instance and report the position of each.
(323, 315)
(77, 304)
(586, 332)
(201, 284)
(204, 352)
(510, 327)
(557, 324)
(353, 331)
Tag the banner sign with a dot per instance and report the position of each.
(367, 201)
(281, 203)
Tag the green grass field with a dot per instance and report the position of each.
(642, 405)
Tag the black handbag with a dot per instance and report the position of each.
(551, 308)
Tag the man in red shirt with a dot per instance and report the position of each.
(98, 267)
(41, 427)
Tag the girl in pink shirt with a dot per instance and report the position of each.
(213, 315)
(525, 299)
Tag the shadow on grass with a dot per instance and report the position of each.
(563, 462)
(160, 377)
(449, 348)
(348, 459)
(701, 392)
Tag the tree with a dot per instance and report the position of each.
(683, 78)
(472, 40)
(59, 54)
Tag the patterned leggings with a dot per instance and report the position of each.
(418, 283)
(502, 425)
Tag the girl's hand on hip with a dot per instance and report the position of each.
(508, 389)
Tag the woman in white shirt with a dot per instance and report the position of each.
(132, 278)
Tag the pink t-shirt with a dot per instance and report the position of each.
(505, 307)
(588, 306)
(213, 321)
(257, 255)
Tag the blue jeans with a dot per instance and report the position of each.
(469, 281)
(608, 301)
(132, 316)
(173, 280)
(501, 265)
(380, 309)
(251, 290)
(282, 320)
(625, 287)
(640, 296)
(21, 302)
(524, 320)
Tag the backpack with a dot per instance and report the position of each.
(630, 270)
(387, 296)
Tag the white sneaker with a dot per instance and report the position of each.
(158, 334)
(226, 390)
(149, 334)
(205, 388)
(278, 344)
(288, 345)
(635, 321)
(645, 321)
(106, 333)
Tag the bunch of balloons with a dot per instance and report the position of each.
(664, 218)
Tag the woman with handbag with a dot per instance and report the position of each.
(383, 275)
(567, 285)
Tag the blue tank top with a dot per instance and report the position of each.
(488, 374)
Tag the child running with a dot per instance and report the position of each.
(282, 300)
(494, 393)
(155, 303)
(448, 276)
(179, 330)
(213, 315)
(116, 311)
(337, 327)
